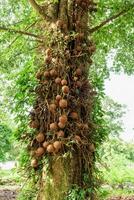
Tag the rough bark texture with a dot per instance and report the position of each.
(69, 55)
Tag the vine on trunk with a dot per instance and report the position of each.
(61, 116)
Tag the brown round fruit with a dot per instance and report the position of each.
(61, 125)
(53, 72)
(45, 144)
(34, 124)
(74, 115)
(65, 89)
(50, 148)
(63, 119)
(57, 145)
(40, 137)
(63, 103)
(58, 80)
(64, 82)
(79, 84)
(46, 74)
(34, 163)
(77, 138)
(53, 126)
(58, 97)
(78, 72)
(40, 151)
(52, 108)
(60, 134)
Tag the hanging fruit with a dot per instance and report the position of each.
(45, 144)
(52, 108)
(53, 73)
(50, 148)
(34, 163)
(65, 89)
(60, 134)
(46, 74)
(53, 126)
(64, 82)
(63, 119)
(58, 97)
(74, 115)
(40, 151)
(57, 145)
(61, 125)
(63, 103)
(40, 137)
(58, 80)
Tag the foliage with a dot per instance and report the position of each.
(18, 58)
(5, 142)
(116, 167)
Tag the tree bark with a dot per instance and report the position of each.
(69, 54)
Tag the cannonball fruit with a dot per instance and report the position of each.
(74, 115)
(53, 126)
(50, 148)
(58, 80)
(58, 97)
(77, 138)
(52, 108)
(60, 134)
(61, 125)
(57, 145)
(63, 103)
(45, 144)
(34, 163)
(64, 82)
(53, 72)
(40, 137)
(46, 74)
(65, 89)
(40, 151)
(63, 119)
(78, 72)
(34, 124)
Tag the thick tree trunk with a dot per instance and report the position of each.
(67, 51)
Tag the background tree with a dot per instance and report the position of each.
(23, 76)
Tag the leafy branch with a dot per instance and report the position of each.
(19, 32)
(105, 22)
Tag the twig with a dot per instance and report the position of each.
(18, 31)
(96, 28)
(39, 9)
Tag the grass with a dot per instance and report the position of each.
(9, 177)
(118, 175)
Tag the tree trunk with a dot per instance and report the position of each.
(67, 51)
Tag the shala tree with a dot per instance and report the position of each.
(52, 79)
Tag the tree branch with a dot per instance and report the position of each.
(20, 32)
(37, 7)
(96, 28)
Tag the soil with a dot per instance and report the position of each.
(8, 194)
(122, 198)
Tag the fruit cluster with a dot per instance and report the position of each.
(64, 95)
